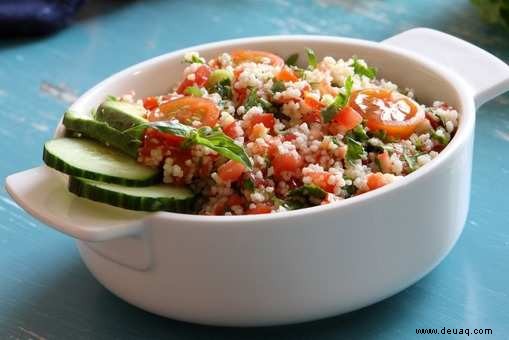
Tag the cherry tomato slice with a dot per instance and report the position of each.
(187, 110)
(243, 56)
(394, 113)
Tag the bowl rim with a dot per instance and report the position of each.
(465, 129)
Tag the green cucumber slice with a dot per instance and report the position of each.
(120, 115)
(102, 132)
(89, 159)
(152, 198)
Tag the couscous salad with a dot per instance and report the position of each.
(248, 132)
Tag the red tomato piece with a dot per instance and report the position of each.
(321, 179)
(230, 171)
(231, 130)
(286, 163)
(267, 119)
(287, 74)
(261, 208)
(346, 119)
(150, 103)
(201, 75)
(375, 181)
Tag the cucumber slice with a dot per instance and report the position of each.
(89, 159)
(102, 132)
(120, 115)
(152, 198)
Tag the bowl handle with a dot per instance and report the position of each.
(42, 192)
(486, 75)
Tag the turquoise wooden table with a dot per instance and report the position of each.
(47, 293)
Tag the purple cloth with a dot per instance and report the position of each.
(35, 17)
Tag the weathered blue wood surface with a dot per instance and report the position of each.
(47, 293)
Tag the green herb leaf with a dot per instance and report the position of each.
(278, 86)
(223, 88)
(443, 138)
(248, 184)
(292, 59)
(310, 190)
(194, 60)
(193, 91)
(362, 70)
(411, 161)
(172, 127)
(307, 195)
(312, 61)
(359, 134)
(212, 138)
(253, 100)
(354, 150)
(339, 102)
(216, 140)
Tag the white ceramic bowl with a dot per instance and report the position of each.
(298, 265)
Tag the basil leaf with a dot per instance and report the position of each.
(212, 138)
(312, 61)
(362, 70)
(278, 86)
(216, 140)
(193, 91)
(354, 150)
(339, 102)
(292, 59)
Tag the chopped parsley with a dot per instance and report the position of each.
(278, 86)
(354, 150)
(292, 59)
(359, 133)
(339, 102)
(248, 184)
(307, 195)
(362, 70)
(442, 138)
(194, 60)
(223, 88)
(253, 100)
(312, 61)
(193, 91)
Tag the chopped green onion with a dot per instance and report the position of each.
(193, 91)
(312, 61)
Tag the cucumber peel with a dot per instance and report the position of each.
(151, 198)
